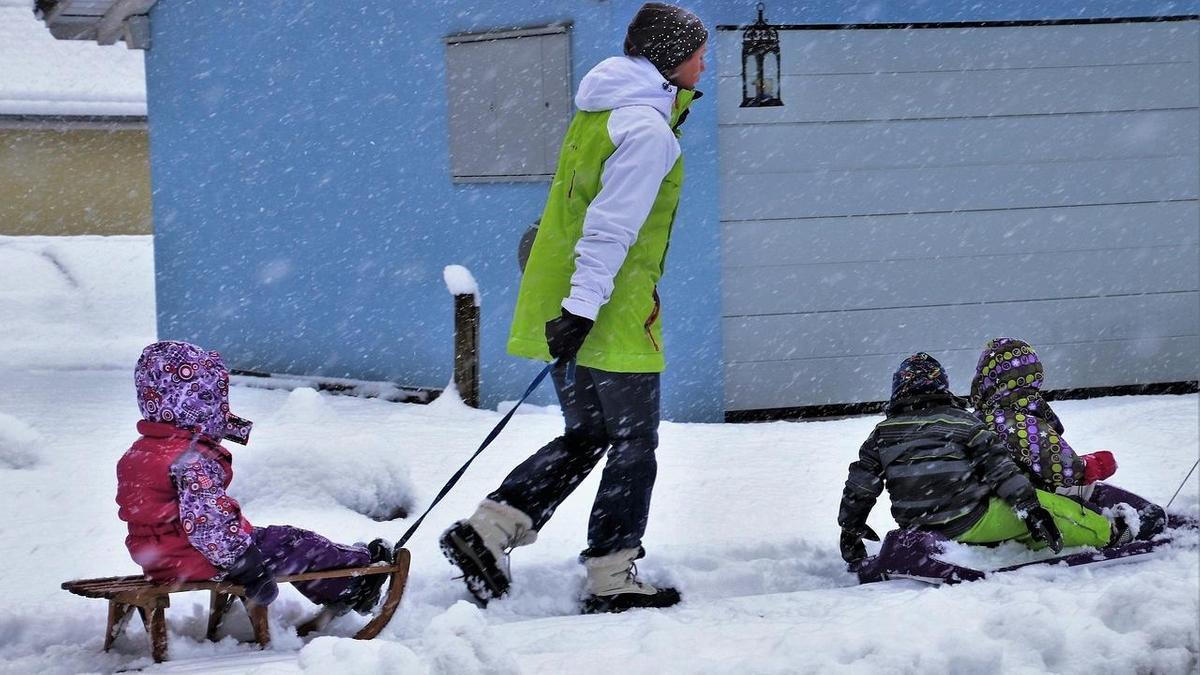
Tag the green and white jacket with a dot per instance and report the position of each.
(602, 242)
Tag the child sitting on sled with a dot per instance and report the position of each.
(1006, 395)
(946, 471)
(171, 491)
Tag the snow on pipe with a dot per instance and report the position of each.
(460, 281)
(461, 284)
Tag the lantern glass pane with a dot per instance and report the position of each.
(771, 76)
(750, 68)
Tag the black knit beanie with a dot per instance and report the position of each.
(665, 34)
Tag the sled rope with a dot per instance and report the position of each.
(1185, 480)
(486, 442)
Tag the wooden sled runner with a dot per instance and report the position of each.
(124, 594)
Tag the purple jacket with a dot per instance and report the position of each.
(1006, 394)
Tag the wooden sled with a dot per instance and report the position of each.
(124, 594)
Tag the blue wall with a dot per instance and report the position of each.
(302, 201)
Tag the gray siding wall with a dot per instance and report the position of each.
(928, 189)
(509, 103)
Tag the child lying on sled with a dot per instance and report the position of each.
(171, 491)
(946, 471)
(1006, 395)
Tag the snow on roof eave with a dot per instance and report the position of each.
(105, 21)
(64, 79)
(62, 108)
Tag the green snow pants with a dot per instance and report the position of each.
(1079, 525)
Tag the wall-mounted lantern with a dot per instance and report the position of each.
(760, 64)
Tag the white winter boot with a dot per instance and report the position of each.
(1125, 524)
(613, 585)
(479, 546)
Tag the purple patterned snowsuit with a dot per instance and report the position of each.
(171, 483)
(1006, 395)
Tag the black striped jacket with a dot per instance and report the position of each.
(940, 466)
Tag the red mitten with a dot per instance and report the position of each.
(1098, 466)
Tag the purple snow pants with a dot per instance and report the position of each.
(291, 550)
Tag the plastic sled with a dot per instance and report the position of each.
(920, 554)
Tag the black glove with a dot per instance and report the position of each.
(1042, 528)
(250, 571)
(565, 335)
(851, 543)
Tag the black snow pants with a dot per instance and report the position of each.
(604, 412)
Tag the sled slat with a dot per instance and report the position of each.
(126, 593)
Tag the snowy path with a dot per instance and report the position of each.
(743, 522)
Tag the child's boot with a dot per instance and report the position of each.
(1124, 525)
(363, 593)
(364, 598)
(613, 585)
(1130, 523)
(1153, 520)
(479, 547)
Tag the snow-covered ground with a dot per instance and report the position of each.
(743, 522)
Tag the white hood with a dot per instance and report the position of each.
(645, 150)
(623, 81)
